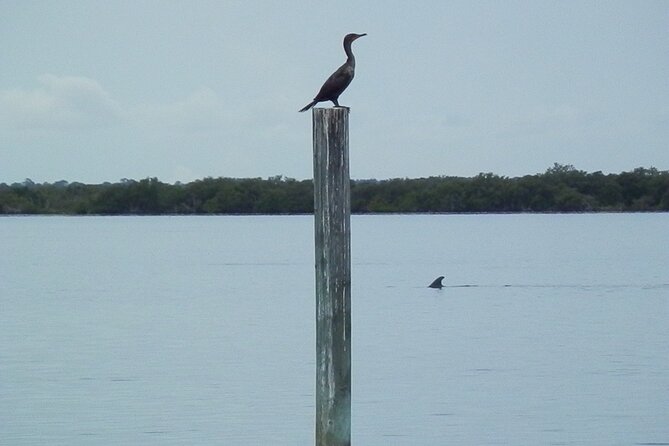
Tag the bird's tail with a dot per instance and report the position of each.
(308, 106)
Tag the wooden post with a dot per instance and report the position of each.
(332, 218)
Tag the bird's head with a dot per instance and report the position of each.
(351, 37)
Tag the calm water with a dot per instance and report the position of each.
(200, 330)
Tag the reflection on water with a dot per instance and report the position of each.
(551, 329)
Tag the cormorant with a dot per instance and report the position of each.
(437, 283)
(340, 79)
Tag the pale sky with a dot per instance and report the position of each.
(96, 91)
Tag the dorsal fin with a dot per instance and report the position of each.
(437, 283)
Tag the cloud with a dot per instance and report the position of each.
(540, 116)
(79, 103)
(59, 102)
(560, 119)
(200, 111)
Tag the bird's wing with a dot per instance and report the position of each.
(336, 83)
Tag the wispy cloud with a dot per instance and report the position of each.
(200, 111)
(63, 102)
(562, 118)
(79, 103)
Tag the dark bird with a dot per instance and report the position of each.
(340, 79)
(437, 283)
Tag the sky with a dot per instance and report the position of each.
(95, 91)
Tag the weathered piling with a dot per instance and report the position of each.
(332, 218)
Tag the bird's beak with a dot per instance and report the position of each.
(361, 35)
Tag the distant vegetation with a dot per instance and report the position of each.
(562, 188)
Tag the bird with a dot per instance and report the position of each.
(340, 79)
(437, 283)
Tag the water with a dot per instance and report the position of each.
(200, 330)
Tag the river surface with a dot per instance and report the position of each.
(551, 330)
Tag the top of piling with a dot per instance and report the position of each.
(345, 110)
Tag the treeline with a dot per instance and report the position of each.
(562, 188)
